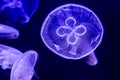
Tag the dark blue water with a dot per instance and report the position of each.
(52, 67)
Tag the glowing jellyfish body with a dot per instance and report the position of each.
(18, 11)
(72, 31)
(8, 56)
(23, 69)
(8, 32)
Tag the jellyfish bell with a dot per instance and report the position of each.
(18, 11)
(8, 32)
(72, 31)
(23, 68)
(8, 56)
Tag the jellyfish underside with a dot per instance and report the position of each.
(73, 32)
(23, 69)
(8, 32)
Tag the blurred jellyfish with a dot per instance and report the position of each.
(73, 31)
(8, 56)
(23, 68)
(18, 11)
(8, 32)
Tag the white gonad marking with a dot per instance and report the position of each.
(75, 41)
(74, 48)
(62, 33)
(82, 27)
(70, 18)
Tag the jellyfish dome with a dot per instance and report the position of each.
(72, 31)
(18, 11)
(23, 68)
(8, 32)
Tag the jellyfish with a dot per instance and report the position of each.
(21, 65)
(73, 31)
(23, 68)
(8, 32)
(8, 56)
(18, 11)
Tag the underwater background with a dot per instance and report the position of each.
(52, 67)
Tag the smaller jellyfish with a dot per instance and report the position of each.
(8, 56)
(23, 68)
(8, 32)
(18, 11)
(73, 31)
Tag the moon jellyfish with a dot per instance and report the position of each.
(73, 31)
(23, 68)
(18, 11)
(8, 32)
(8, 56)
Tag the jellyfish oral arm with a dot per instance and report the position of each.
(91, 59)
